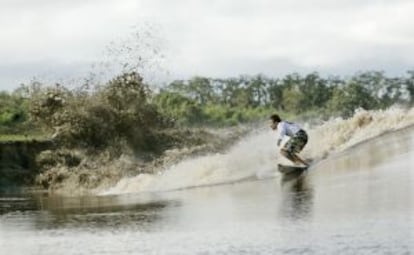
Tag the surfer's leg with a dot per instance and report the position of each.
(294, 146)
(287, 154)
(293, 157)
(288, 150)
(299, 160)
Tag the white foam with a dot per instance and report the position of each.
(257, 154)
(338, 134)
(253, 155)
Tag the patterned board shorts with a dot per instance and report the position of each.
(297, 142)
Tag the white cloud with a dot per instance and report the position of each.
(211, 37)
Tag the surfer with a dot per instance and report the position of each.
(298, 138)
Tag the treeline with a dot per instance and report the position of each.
(233, 100)
(202, 101)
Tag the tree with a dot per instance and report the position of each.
(256, 88)
(180, 109)
(13, 109)
(231, 87)
(201, 90)
(315, 90)
(118, 111)
(275, 92)
(373, 81)
(293, 99)
(353, 96)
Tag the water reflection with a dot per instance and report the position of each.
(10, 203)
(297, 197)
(89, 213)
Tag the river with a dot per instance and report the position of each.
(358, 201)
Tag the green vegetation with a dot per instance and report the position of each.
(125, 108)
(95, 129)
(13, 113)
(203, 101)
(115, 114)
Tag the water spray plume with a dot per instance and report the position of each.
(256, 155)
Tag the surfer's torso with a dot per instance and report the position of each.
(288, 128)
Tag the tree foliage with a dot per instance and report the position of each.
(294, 93)
(117, 108)
(13, 112)
(119, 111)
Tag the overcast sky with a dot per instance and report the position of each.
(62, 39)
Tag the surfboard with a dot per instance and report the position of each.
(284, 169)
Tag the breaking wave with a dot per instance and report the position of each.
(256, 155)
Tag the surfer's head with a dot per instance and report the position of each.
(275, 120)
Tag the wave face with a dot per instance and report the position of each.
(256, 155)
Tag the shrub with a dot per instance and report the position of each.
(116, 113)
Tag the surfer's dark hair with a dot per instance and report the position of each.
(275, 118)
